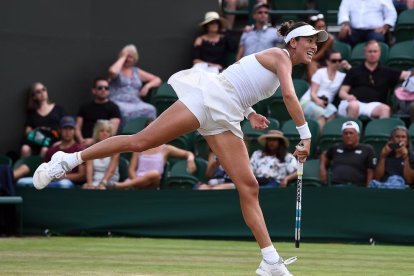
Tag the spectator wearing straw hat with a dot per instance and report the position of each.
(273, 166)
(263, 36)
(210, 50)
(352, 163)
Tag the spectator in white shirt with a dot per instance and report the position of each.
(365, 20)
(317, 101)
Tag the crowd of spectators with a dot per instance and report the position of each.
(337, 89)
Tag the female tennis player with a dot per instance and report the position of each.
(215, 104)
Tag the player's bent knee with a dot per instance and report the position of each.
(248, 189)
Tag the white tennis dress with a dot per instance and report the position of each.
(220, 101)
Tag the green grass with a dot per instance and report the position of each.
(142, 256)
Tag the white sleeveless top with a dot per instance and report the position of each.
(252, 81)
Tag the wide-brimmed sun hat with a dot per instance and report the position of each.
(273, 134)
(213, 16)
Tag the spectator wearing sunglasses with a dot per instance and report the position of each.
(318, 60)
(101, 108)
(317, 101)
(128, 83)
(367, 20)
(365, 88)
(262, 36)
(43, 117)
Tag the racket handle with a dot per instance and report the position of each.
(297, 243)
(300, 169)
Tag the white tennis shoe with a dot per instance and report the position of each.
(54, 169)
(278, 269)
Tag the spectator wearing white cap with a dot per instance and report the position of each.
(352, 163)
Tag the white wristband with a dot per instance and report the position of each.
(304, 131)
(248, 111)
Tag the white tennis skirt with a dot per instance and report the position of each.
(211, 98)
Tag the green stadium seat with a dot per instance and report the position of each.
(31, 161)
(344, 48)
(180, 178)
(276, 106)
(5, 160)
(164, 97)
(411, 131)
(401, 55)
(134, 125)
(329, 9)
(284, 10)
(201, 147)
(123, 169)
(311, 176)
(404, 29)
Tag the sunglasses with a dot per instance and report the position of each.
(334, 60)
(316, 17)
(40, 90)
(371, 80)
(102, 87)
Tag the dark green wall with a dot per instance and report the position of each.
(350, 214)
(66, 43)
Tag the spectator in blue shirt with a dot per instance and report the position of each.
(263, 36)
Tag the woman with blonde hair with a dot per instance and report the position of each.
(127, 85)
(100, 171)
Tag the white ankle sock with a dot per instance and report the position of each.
(72, 160)
(270, 254)
(78, 155)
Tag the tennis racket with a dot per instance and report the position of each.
(298, 204)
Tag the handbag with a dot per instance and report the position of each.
(44, 137)
(408, 84)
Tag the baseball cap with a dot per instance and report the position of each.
(67, 121)
(350, 125)
(260, 5)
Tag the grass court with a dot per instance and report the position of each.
(144, 256)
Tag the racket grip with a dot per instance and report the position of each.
(297, 243)
(300, 169)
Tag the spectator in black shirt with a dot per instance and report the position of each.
(351, 162)
(365, 87)
(100, 108)
(42, 121)
(210, 50)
